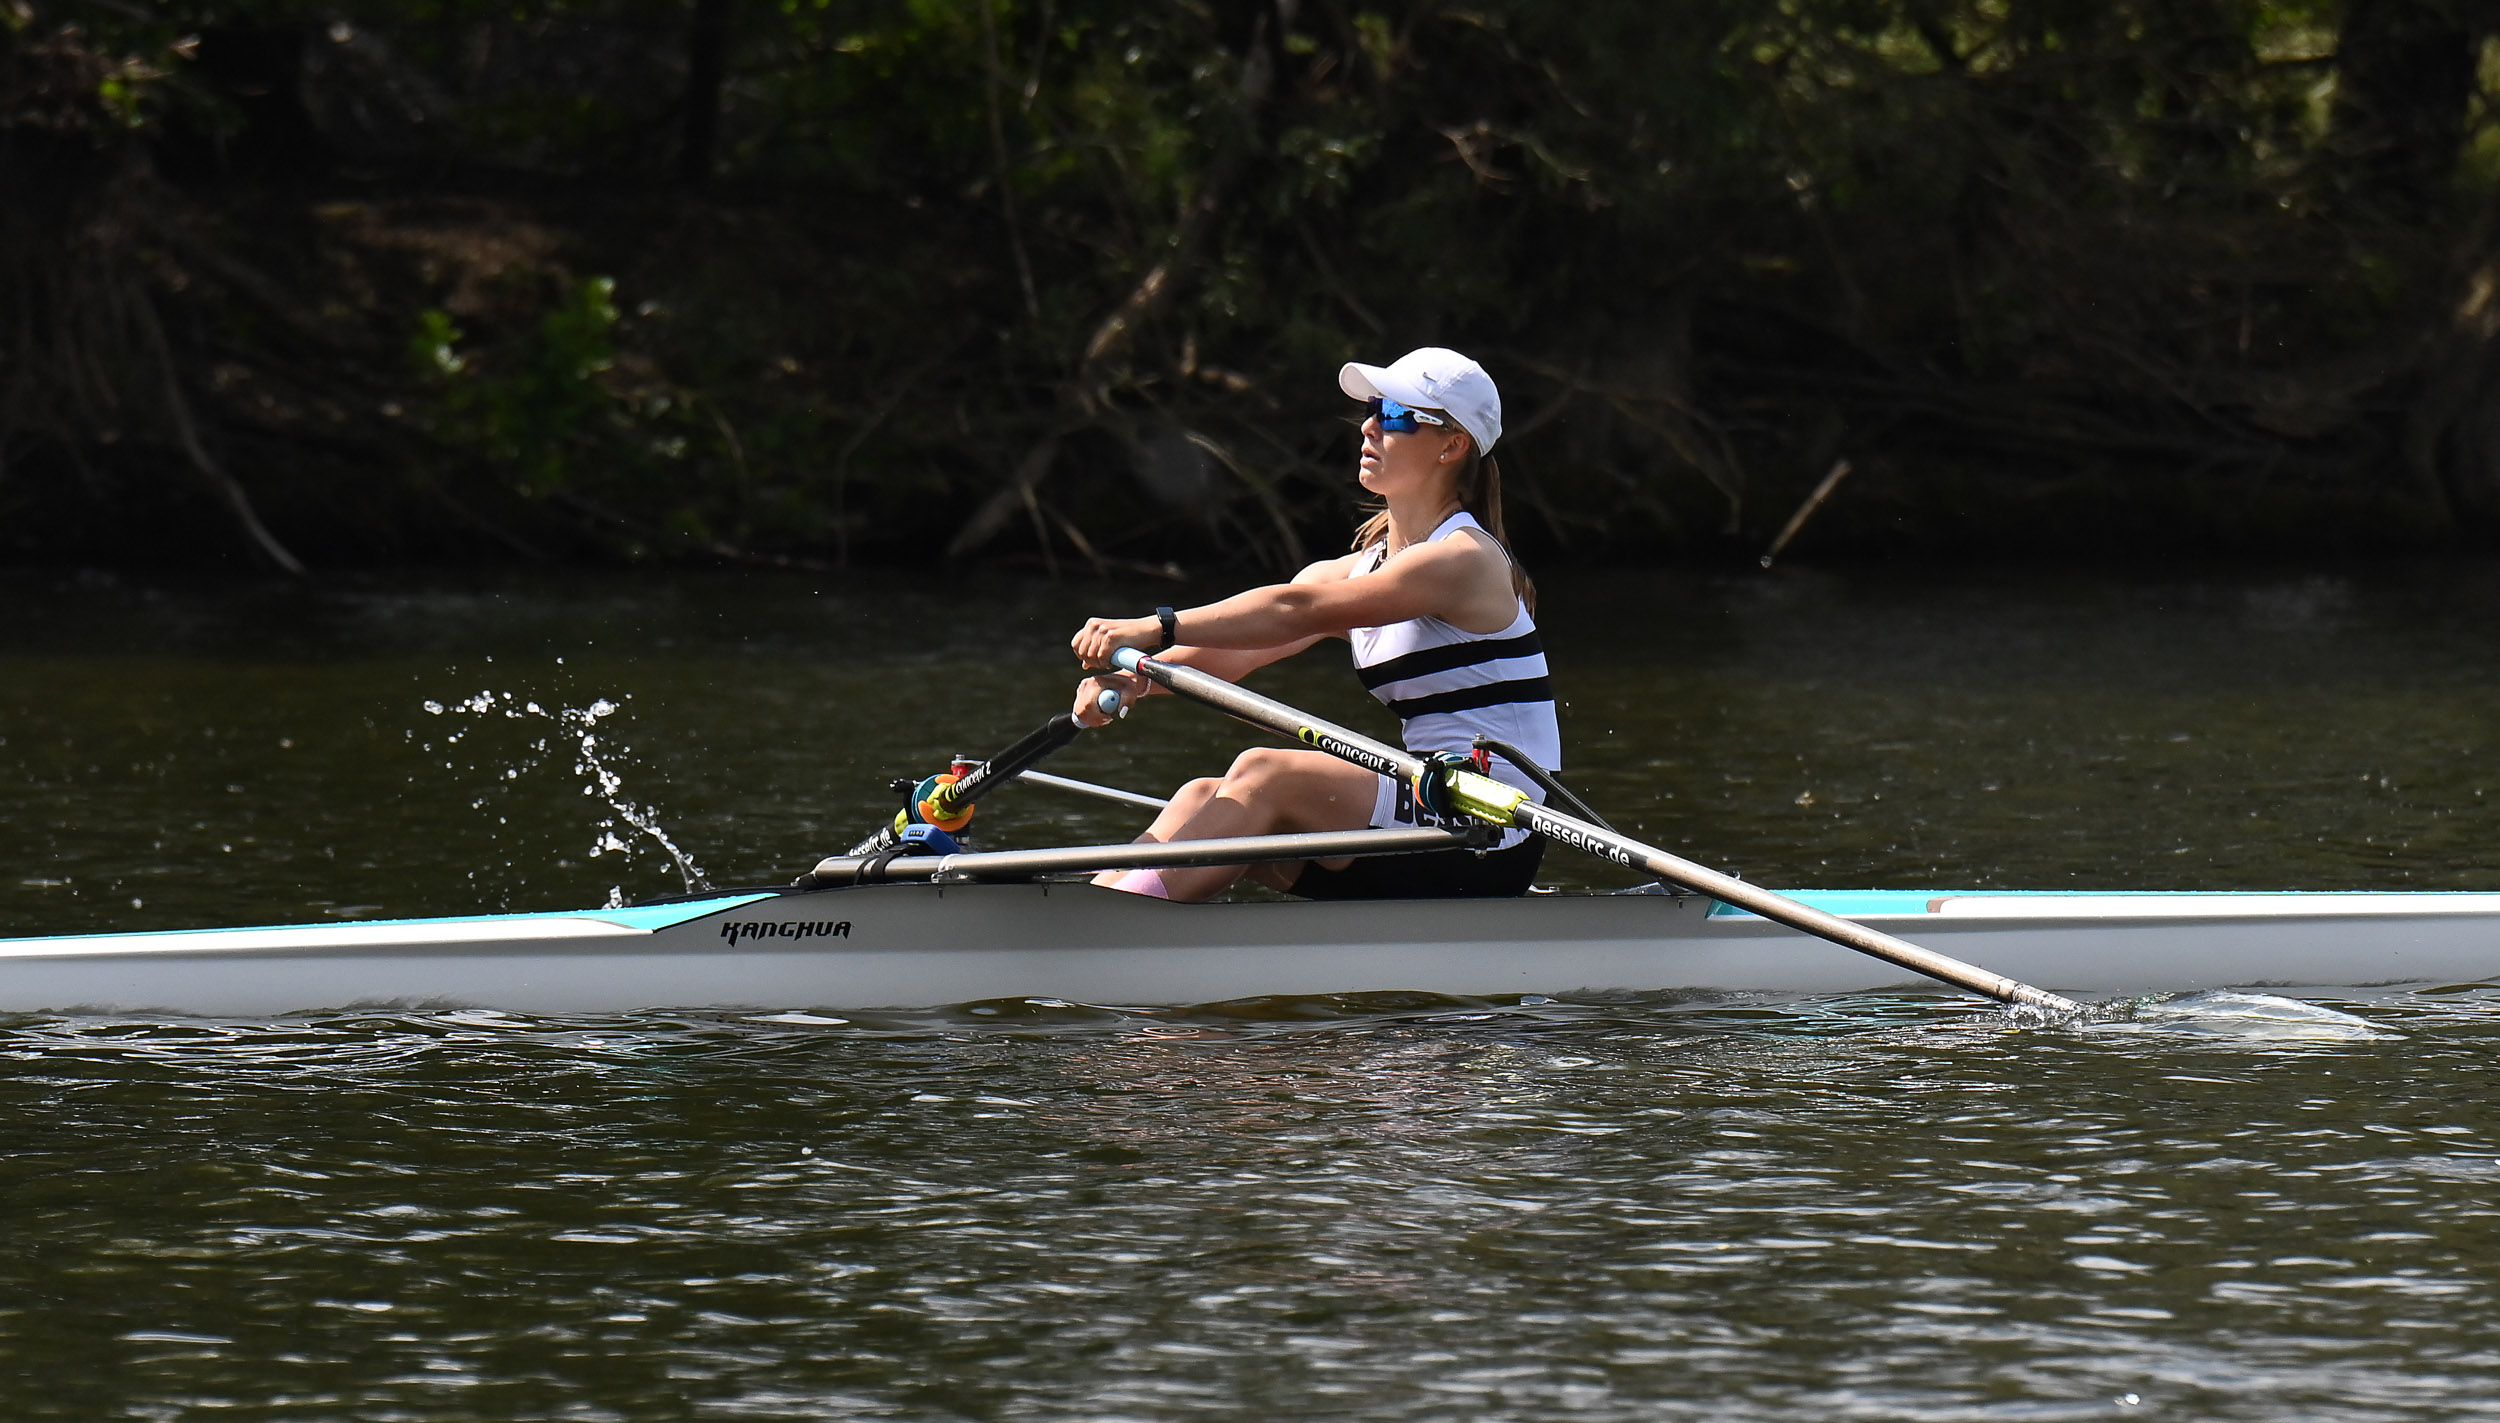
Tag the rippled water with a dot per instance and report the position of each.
(1875, 1206)
(1872, 1208)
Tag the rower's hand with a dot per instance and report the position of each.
(1100, 637)
(1129, 685)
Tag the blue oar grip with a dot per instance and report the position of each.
(1127, 658)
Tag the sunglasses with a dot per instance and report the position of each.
(1396, 419)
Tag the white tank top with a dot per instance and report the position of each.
(1448, 685)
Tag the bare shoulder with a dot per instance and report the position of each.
(1480, 595)
(1468, 554)
(1482, 546)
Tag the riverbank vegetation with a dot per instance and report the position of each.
(1063, 283)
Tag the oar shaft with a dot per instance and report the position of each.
(1491, 800)
(1027, 751)
(1268, 714)
(1109, 793)
(1042, 741)
(1779, 908)
(1143, 854)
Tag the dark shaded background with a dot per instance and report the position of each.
(1062, 283)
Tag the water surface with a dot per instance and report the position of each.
(230, 756)
(1877, 1206)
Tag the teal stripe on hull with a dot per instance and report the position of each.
(650, 918)
(1857, 903)
(1848, 903)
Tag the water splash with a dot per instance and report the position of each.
(627, 821)
(2235, 1013)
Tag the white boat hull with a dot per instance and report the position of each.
(893, 946)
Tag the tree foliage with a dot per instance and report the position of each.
(1068, 280)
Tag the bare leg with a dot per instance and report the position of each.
(1267, 792)
(1185, 802)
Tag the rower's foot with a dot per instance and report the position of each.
(1145, 882)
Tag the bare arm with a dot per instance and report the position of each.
(1230, 663)
(1460, 580)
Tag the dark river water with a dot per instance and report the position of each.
(1390, 1207)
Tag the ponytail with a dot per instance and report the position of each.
(1480, 494)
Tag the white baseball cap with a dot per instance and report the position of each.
(1433, 378)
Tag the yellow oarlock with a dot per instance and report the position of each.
(1484, 797)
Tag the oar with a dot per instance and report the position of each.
(1109, 793)
(948, 804)
(1490, 800)
(1141, 854)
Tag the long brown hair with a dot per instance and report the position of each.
(1480, 494)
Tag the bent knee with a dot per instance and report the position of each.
(1265, 765)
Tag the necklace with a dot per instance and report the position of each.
(1395, 548)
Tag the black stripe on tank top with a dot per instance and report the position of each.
(1449, 658)
(1491, 694)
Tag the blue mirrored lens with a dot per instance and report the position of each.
(1395, 419)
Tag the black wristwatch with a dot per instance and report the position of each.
(1171, 628)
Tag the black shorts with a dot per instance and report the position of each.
(1435, 874)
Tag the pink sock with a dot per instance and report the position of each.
(1145, 882)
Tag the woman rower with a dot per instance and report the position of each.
(1441, 619)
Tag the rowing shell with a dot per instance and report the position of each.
(919, 945)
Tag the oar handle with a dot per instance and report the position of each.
(1491, 800)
